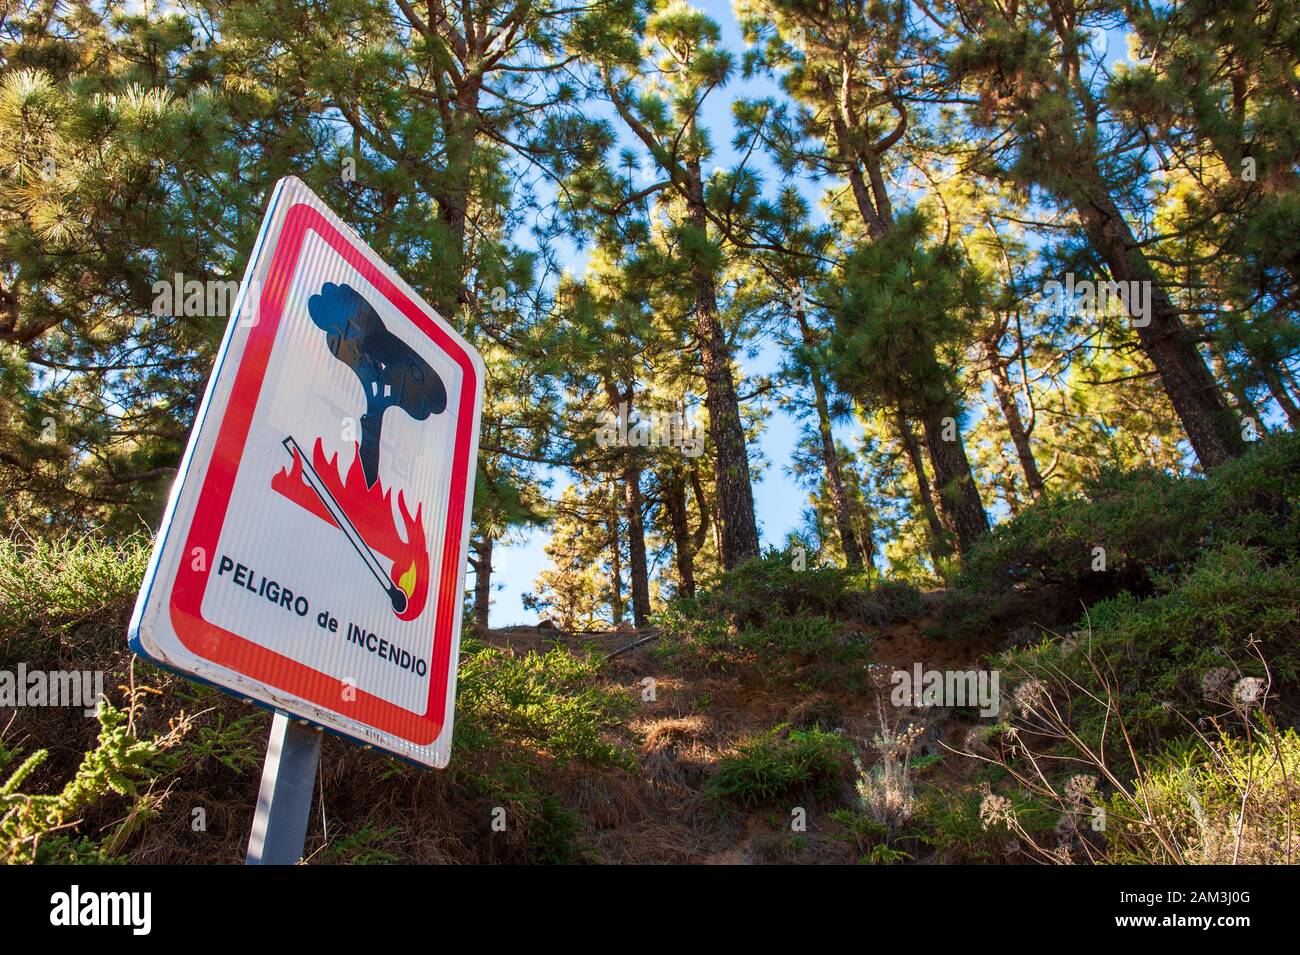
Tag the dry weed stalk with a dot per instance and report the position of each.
(1039, 739)
(885, 790)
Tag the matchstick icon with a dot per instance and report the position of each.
(395, 593)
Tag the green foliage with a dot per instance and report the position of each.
(948, 822)
(50, 585)
(1150, 525)
(1199, 794)
(899, 332)
(129, 153)
(767, 612)
(1148, 522)
(765, 586)
(366, 846)
(793, 637)
(885, 855)
(784, 643)
(552, 835)
(859, 830)
(550, 703)
(890, 602)
(237, 744)
(522, 721)
(32, 826)
(1158, 652)
(545, 830)
(1145, 520)
(778, 763)
(110, 132)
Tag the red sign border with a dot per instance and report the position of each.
(211, 642)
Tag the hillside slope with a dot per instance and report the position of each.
(1140, 707)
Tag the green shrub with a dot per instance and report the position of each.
(549, 703)
(948, 822)
(889, 602)
(778, 645)
(33, 827)
(1145, 520)
(765, 612)
(47, 587)
(1232, 801)
(552, 835)
(366, 846)
(693, 640)
(238, 744)
(1150, 526)
(763, 587)
(779, 763)
(1255, 499)
(1159, 652)
(520, 717)
(1149, 522)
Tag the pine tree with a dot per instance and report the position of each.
(1030, 70)
(791, 258)
(845, 66)
(122, 165)
(683, 54)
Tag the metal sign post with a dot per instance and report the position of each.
(284, 801)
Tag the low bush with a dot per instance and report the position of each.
(49, 587)
(1148, 522)
(39, 828)
(780, 762)
(549, 702)
(765, 612)
(522, 718)
(1164, 655)
(1124, 533)
(770, 586)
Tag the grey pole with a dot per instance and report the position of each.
(284, 801)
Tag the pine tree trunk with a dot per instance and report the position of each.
(940, 547)
(830, 458)
(958, 495)
(674, 491)
(867, 545)
(615, 563)
(735, 497)
(1210, 426)
(482, 580)
(452, 196)
(1278, 390)
(632, 506)
(706, 515)
(632, 500)
(1006, 396)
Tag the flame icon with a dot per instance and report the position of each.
(407, 581)
(364, 513)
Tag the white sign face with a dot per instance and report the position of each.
(312, 556)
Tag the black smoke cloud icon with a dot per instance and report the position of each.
(389, 370)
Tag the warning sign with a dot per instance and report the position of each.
(312, 556)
